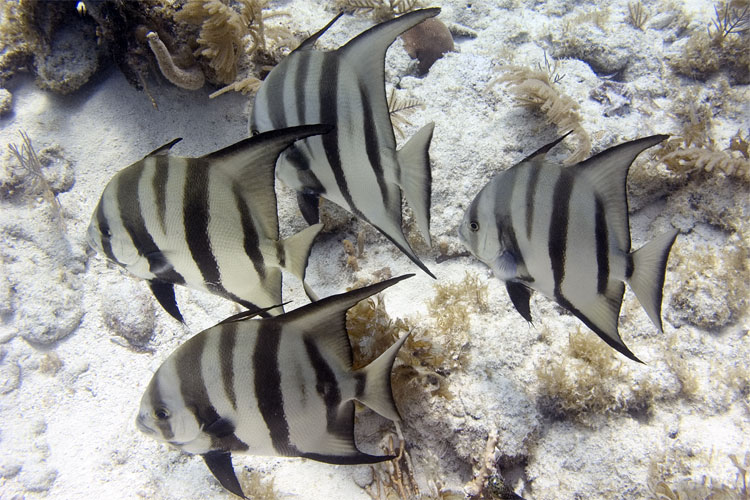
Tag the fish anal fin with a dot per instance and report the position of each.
(607, 172)
(602, 314)
(164, 149)
(649, 268)
(520, 295)
(297, 252)
(220, 465)
(309, 205)
(164, 293)
(359, 458)
(416, 177)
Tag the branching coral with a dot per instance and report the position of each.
(637, 15)
(29, 162)
(222, 31)
(399, 108)
(683, 156)
(722, 47)
(590, 380)
(534, 88)
(381, 9)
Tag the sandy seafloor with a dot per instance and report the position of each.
(67, 407)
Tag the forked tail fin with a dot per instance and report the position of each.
(376, 393)
(297, 252)
(649, 267)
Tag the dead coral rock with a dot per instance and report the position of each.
(6, 102)
(130, 314)
(427, 42)
(590, 44)
(713, 285)
(71, 59)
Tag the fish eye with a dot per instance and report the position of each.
(474, 226)
(161, 413)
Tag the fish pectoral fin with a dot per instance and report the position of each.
(309, 205)
(220, 428)
(297, 252)
(416, 177)
(520, 295)
(220, 465)
(649, 267)
(158, 263)
(164, 293)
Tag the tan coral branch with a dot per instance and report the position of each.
(190, 79)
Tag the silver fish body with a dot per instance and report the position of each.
(208, 223)
(281, 386)
(564, 231)
(357, 165)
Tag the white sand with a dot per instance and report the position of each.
(68, 432)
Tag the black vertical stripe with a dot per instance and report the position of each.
(268, 387)
(192, 385)
(372, 145)
(602, 246)
(159, 184)
(558, 230)
(196, 218)
(157, 404)
(129, 205)
(328, 109)
(250, 238)
(227, 343)
(275, 96)
(105, 233)
(531, 189)
(300, 79)
(325, 383)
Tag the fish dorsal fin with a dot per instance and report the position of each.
(542, 152)
(251, 164)
(245, 315)
(365, 53)
(308, 43)
(163, 150)
(325, 320)
(607, 172)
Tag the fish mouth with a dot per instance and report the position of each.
(140, 422)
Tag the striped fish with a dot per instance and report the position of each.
(565, 233)
(208, 223)
(281, 386)
(357, 165)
